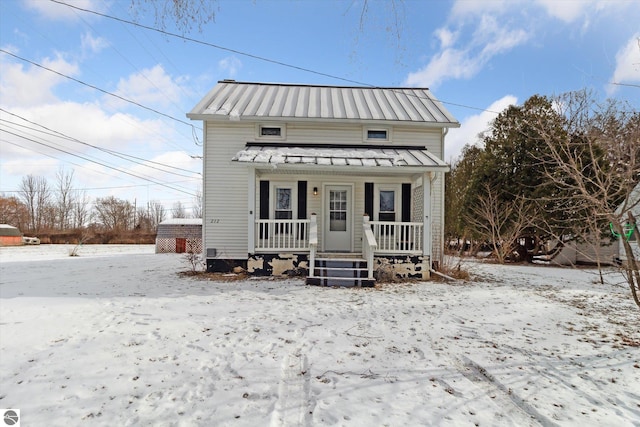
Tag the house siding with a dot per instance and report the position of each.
(437, 216)
(226, 205)
(226, 202)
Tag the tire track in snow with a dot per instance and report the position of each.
(525, 413)
(292, 406)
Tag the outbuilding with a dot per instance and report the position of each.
(179, 235)
(10, 236)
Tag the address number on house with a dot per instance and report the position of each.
(215, 221)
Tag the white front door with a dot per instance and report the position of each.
(338, 219)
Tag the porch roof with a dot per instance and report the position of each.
(416, 158)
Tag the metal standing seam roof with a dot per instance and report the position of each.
(350, 157)
(7, 230)
(233, 100)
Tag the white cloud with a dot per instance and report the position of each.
(92, 44)
(59, 12)
(40, 166)
(151, 86)
(230, 66)
(473, 126)
(32, 85)
(477, 31)
(627, 64)
(567, 11)
(488, 40)
(446, 37)
(462, 8)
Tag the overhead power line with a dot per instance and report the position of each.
(128, 157)
(101, 164)
(249, 55)
(97, 88)
(238, 52)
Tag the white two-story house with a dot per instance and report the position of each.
(298, 176)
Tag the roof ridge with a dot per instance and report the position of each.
(232, 81)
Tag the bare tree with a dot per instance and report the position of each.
(114, 214)
(178, 210)
(500, 222)
(64, 198)
(183, 13)
(197, 204)
(143, 220)
(36, 195)
(595, 167)
(81, 211)
(13, 212)
(157, 214)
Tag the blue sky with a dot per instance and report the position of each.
(476, 56)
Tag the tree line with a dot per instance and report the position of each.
(552, 170)
(58, 211)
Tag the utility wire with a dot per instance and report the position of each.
(102, 164)
(97, 88)
(124, 156)
(250, 55)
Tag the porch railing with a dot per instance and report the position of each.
(282, 234)
(398, 237)
(302, 235)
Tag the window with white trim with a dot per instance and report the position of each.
(271, 131)
(377, 134)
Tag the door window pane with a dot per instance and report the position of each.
(283, 204)
(338, 210)
(387, 201)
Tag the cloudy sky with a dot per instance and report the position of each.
(107, 99)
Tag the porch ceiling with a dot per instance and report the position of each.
(412, 159)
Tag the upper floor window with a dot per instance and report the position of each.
(377, 134)
(271, 131)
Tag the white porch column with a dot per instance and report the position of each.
(251, 218)
(426, 211)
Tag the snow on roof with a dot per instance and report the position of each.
(369, 157)
(9, 230)
(182, 221)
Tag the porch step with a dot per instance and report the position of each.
(347, 272)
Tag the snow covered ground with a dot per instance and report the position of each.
(116, 337)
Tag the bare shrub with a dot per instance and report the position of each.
(194, 261)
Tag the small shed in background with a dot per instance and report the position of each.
(10, 236)
(179, 235)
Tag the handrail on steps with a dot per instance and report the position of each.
(369, 245)
(313, 243)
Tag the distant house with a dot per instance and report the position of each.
(299, 178)
(179, 235)
(10, 236)
(633, 206)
